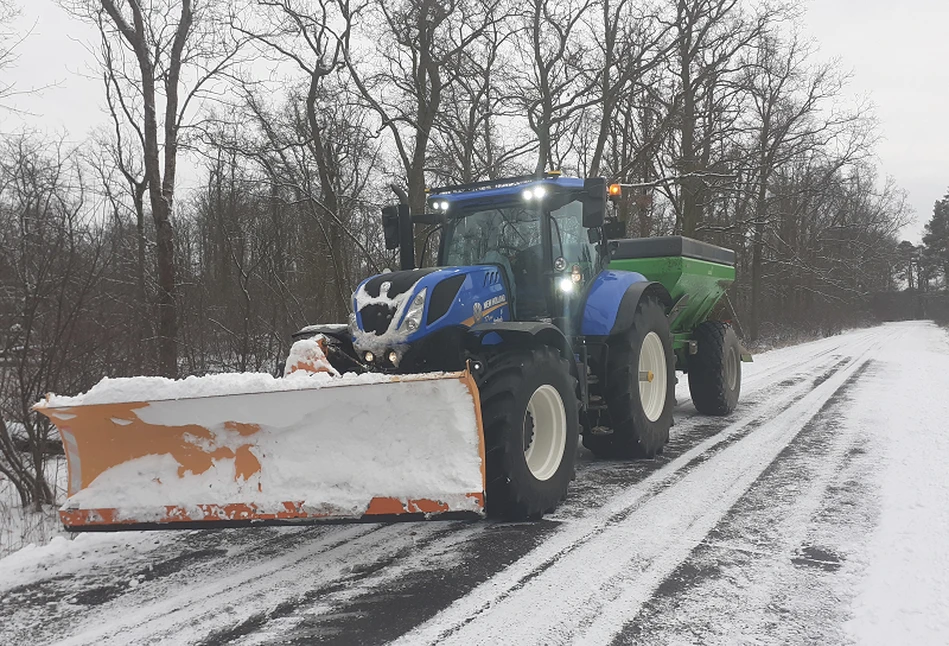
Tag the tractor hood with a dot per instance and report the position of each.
(394, 309)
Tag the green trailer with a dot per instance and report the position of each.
(696, 276)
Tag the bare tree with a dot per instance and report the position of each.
(710, 37)
(790, 116)
(311, 36)
(556, 86)
(415, 42)
(175, 48)
(468, 145)
(117, 159)
(633, 44)
(9, 40)
(50, 270)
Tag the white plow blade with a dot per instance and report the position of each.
(338, 450)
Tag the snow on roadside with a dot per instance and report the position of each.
(20, 527)
(903, 597)
(41, 547)
(86, 552)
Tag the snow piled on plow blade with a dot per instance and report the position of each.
(305, 449)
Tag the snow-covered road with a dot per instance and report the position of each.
(817, 513)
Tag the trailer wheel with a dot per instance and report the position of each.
(531, 429)
(640, 388)
(715, 370)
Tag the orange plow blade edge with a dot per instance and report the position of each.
(367, 448)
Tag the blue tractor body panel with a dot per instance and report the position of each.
(603, 301)
(454, 296)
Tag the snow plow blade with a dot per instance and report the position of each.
(306, 448)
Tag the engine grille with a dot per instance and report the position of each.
(376, 318)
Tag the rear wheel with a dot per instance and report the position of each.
(531, 429)
(640, 388)
(715, 370)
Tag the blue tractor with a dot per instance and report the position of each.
(564, 337)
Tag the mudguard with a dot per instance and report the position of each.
(612, 300)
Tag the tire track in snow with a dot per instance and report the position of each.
(723, 480)
(180, 614)
(456, 556)
(769, 568)
(559, 593)
(65, 599)
(341, 612)
(437, 547)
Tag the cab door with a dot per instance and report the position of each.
(575, 260)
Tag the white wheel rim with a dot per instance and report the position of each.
(653, 377)
(545, 449)
(731, 368)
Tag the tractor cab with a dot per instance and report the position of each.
(543, 234)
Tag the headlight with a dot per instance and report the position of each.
(413, 318)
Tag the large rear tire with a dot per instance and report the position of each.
(531, 430)
(640, 388)
(715, 370)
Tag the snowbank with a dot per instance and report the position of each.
(902, 403)
(61, 556)
(139, 389)
(309, 355)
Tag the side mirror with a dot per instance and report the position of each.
(390, 226)
(594, 206)
(399, 233)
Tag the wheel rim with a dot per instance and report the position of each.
(731, 368)
(544, 446)
(653, 377)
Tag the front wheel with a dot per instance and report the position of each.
(531, 429)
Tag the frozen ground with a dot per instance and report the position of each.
(19, 526)
(816, 513)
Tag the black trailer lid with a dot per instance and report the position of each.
(670, 246)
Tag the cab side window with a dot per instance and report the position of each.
(571, 241)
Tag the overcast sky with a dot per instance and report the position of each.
(897, 51)
(899, 55)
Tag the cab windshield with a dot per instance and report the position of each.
(510, 237)
(479, 237)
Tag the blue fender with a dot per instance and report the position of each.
(612, 300)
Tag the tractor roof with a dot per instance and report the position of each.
(502, 190)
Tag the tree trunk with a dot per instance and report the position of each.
(167, 309)
(691, 215)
